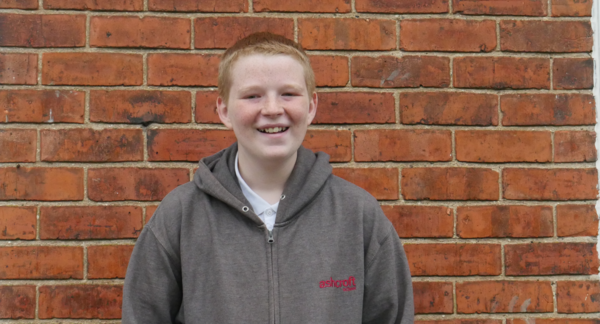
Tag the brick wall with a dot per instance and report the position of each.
(471, 121)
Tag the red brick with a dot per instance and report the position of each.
(223, 32)
(149, 212)
(41, 262)
(462, 321)
(578, 296)
(108, 261)
(404, 6)
(503, 146)
(19, 4)
(42, 30)
(355, 108)
(382, 183)
(577, 8)
(17, 302)
(302, 6)
(37, 183)
(346, 34)
(146, 32)
(502, 72)
(449, 108)
(93, 69)
(554, 321)
(186, 144)
(576, 220)
(198, 5)
(504, 221)
(330, 71)
(18, 145)
(140, 106)
(550, 184)
(501, 7)
(545, 36)
(420, 221)
(547, 109)
(90, 222)
(450, 184)
(336, 143)
(504, 297)
(402, 145)
(206, 105)
(17, 223)
(400, 72)
(573, 73)
(574, 146)
(115, 184)
(454, 259)
(40, 106)
(433, 297)
(551, 259)
(17, 68)
(448, 35)
(80, 301)
(109, 5)
(183, 69)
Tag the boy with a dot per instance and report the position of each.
(265, 233)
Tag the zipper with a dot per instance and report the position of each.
(270, 239)
(273, 298)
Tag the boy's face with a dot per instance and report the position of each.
(269, 108)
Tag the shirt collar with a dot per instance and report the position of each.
(258, 203)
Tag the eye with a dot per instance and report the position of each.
(251, 96)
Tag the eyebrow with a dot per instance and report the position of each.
(292, 86)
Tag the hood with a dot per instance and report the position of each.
(216, 177)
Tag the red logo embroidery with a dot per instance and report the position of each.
(346, 285)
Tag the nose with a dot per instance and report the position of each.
(272, 106)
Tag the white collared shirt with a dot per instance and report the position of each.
(261, 207)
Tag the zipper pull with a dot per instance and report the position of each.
(271, 240)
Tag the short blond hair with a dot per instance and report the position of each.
(262, 43)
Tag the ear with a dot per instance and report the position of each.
(223, 112)
(312, 108)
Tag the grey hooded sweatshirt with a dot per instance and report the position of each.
(206, 257)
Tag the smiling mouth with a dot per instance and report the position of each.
(273, 130)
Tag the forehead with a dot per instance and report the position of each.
(260, 68)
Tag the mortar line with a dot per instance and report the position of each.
(37, 296)
(296, 29)
(192, 33)
(555, 220)
(549, 8)
(146, 5)
(85, 262)
(451, 62)
(552, 146)
(87, 93)
(88, 27)
(250, 7)
(454, 300)
(551, 76)
(455, 220)
(397, 35)
(144, 70)
(498, 47)
(450, 7)
(352, 6)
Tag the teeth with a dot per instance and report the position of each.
(273, 130)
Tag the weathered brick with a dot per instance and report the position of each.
(454, 259)
(94, 69)
(578, 296)
(41, 262)
(35, 183)
(433, 297)
(576, 220)
(90, 222)
(382, 183)
(346, 34)
(146, 32)
(109, 5)
(34, 106)
(150, 211)
(501, 7)
(19, 4)
(504, 297)
(302, 6)
(503, 146)
(400, 72)
(17, 68)
(402, 145)
(449, 108)
(450, 184)
(405, 6)
(223, 32)
(17, 223)
(574, 146)
(550, 184)
(573, 73)
(577, 8)
(330, 71)
(140, 106)
(80, 301)
(183, 69)
(545, 36)
(554, 321)
(504, 221)
(42, 30)
(115, 184)
(17, 302)
(198, 5)
(18, 145)
(186, 144)
(206, 105)
(462, 321)
(547, 109)
(448, 35)
(336, 143)
(502, 72)
(108, 261)
(420, 221)
(551, 259)
(355, 108)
